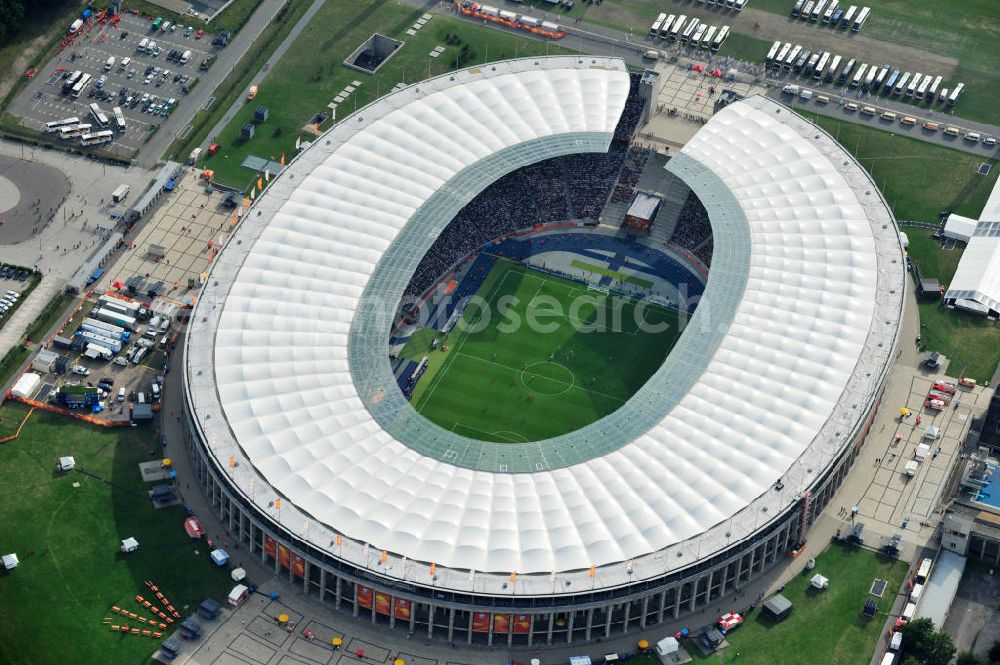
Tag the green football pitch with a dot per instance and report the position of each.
(536, 356)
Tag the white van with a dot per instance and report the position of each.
(163, 341)
(185, 57)
(109, 63)
(164, 325)
(143, 45)
(156, 391)
(888, 659)
(121, 394)
(897, 641)
(125, 63)
(909, 611)
(915, 593)
(141, 398)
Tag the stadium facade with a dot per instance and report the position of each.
(713, 470)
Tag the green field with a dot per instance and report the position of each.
(613, 274)
(67, 539)
(918, 179)
(970, 341)
(499, 381)
(311, 73)
(825, 627)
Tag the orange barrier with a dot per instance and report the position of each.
(510, 24)
(19, 427)
(93, 420)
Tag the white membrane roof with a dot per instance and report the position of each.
(978, 275)
(798, 324)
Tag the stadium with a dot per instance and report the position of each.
(297, 371)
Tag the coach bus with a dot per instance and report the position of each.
(821, 65)
(953, 97)
(832, 7)
(57, 125)
(654, 30)
(96, 138)
(890, 83)
(665, 28)
(858, 75)
(790, 60)
(831, 73)
(119, 118)
(848, 18)
(817, 11)
(921, 91)
(81, 85)
(72, 131)
(811, 64)
(709, 37)
(699, 33)
(779, 59)
(720, 37)
(773, 52)
(807, 10)
(932, 91)
(880, 79)
(797, 9)
(675, 29)
(72, 80)
(739, 5)
(99, 115)
(901, 84)
(846, 71)
(860, 20)
(870, 77)
(689, 30)
(914, 82)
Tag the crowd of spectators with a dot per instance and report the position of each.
(574, 186)
(694, 230)
(631, 171)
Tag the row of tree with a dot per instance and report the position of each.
(14, 12)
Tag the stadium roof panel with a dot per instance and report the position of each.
(801, 320)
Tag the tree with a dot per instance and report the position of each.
(925, 645)
(994, 653)
(968, 658)
(915, 632)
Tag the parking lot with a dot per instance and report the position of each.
(141, 88)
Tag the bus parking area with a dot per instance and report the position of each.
(143, 73)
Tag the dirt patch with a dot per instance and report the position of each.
(767, 26)
(22, 63)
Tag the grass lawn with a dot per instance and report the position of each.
(68, 537)
(918, 179)
(613, 274)
(311, 73)
(825, 627)
(933, 260)
(506, 379)
(745, 47)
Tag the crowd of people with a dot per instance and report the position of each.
(694, 230)
(558, 189)
(628, 179)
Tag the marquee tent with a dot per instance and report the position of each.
(667, 645)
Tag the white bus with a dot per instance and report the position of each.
(870, 77)
(773, 52)
(953, 97)
(858, 75)
(654, 30)
(901, 83)
(73, 131)
(792, 55)
(832, 7)
(860, 20)
(72, 80)
(922, 88)
(676, 28)
(689, 30)
(798, 7)
(699, 33)
(81, 85)
(821, 65)
(739, 5)
(880, 79)
(720, 37)
(848, 17)
(779, 60)
(119, 118)
(57, 125)
(817, 11)
(834, 65)
(97, 138)
(932, 91)
(665, 28)
(914, 82)
(99, 115)
(807, 10)
(709, 37)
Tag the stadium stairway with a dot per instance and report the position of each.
(568, 190)
(675, 194)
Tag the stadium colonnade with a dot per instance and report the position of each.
(318, 466)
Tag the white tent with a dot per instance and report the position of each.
(923, 450)
(960, 228)
(976, 284)
(819, 582)
(26, 385)
(66, 463)
(933, 432)
(911, 467)
(130, 544)
(238, 574)
(10, 561)
(238, 595)
(667, 645)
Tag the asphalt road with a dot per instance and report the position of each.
(152, 152)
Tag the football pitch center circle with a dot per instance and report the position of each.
(547, 363)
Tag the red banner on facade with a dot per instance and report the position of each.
(282, 556)
(522, 623)
(501, 623)
(364, 595)
(382, 603)
(269, 545)
(480, 622)
(298, 566)
(401, 608)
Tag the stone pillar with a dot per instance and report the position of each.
(569, 627)
(322, 584)
(608, 611)
(590, 623)
(552, 620)
(663, 606)
(337, 594)
(451, 624)
(645, 609)
(305, 577)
